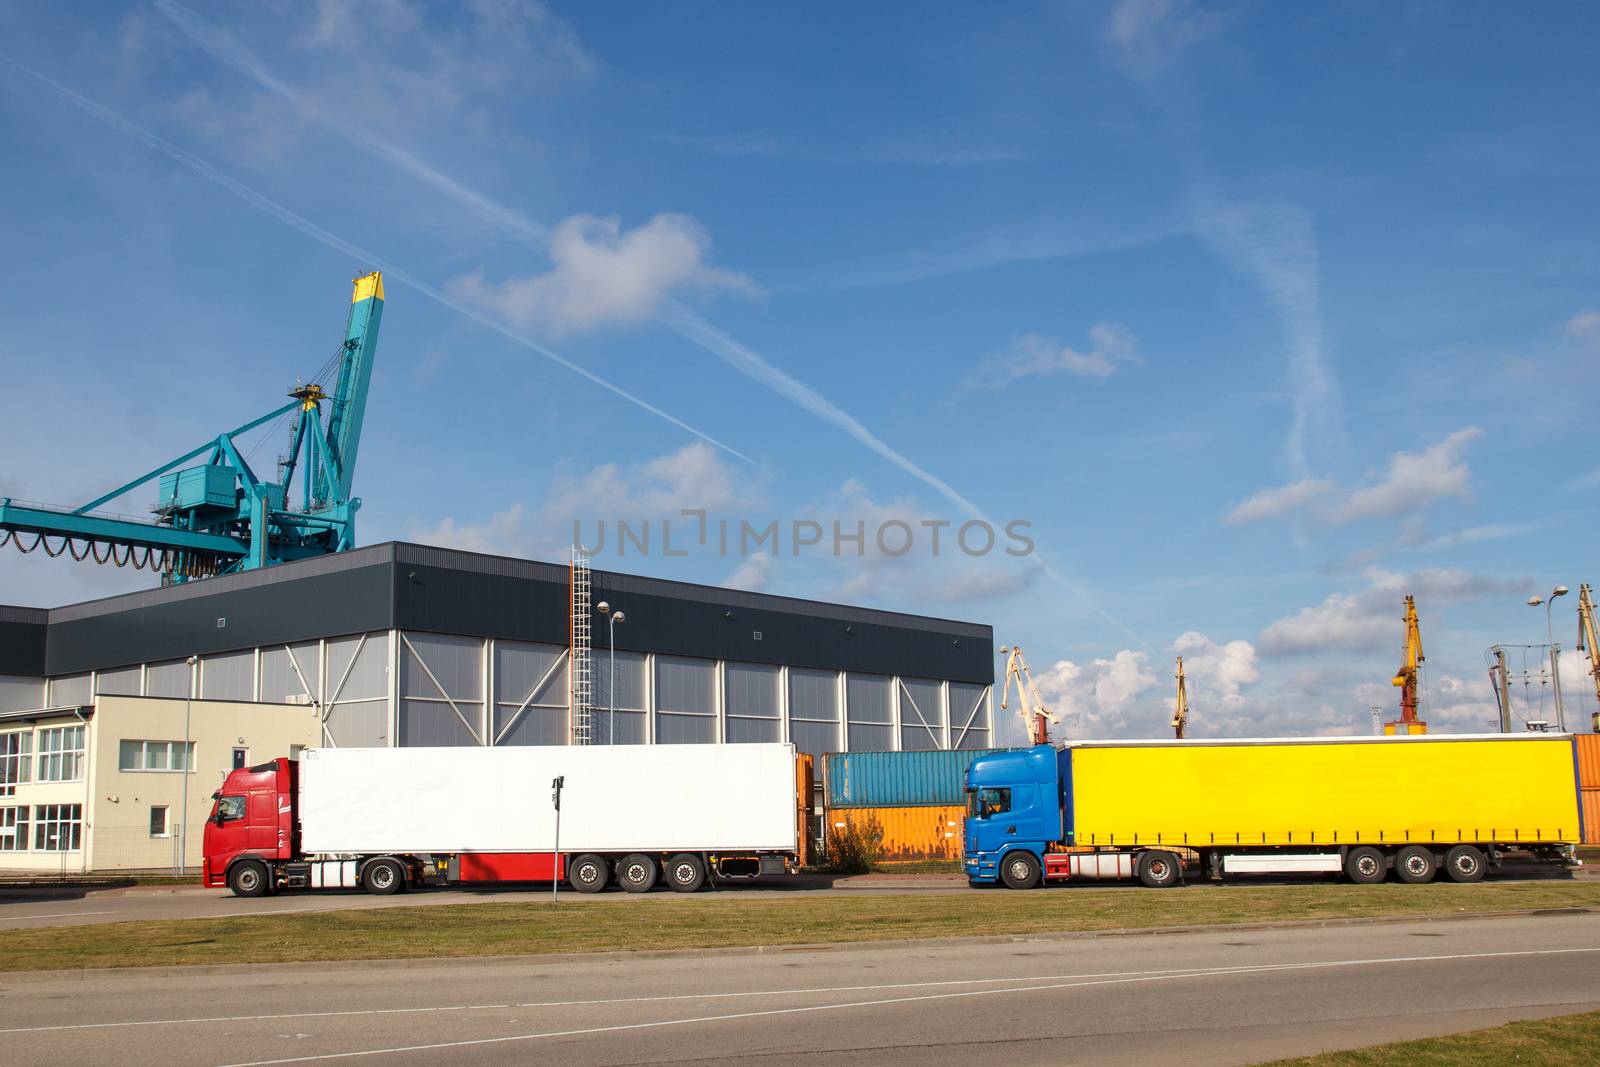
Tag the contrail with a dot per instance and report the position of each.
(678, 317)
(283, 214)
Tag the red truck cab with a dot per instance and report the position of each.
(252, 815)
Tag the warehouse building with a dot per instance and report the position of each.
(400, 644)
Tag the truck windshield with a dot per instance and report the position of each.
(982, 803)
(230, 808)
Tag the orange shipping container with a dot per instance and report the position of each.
(1591, 816)
(911, 833)
(1588, 760)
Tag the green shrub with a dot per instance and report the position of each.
(853, 848)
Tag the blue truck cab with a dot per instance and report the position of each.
(1016, 808)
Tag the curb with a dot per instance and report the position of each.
(181, 970)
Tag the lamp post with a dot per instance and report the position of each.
(183, 812)
(1555, 652)
(612, 618)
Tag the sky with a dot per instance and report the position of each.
(1133, 330)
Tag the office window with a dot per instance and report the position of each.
(158, 821)
(15, 762)
(13, 829)
(155, 756)
(57, 827)
(61, 754)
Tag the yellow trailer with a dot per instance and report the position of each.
(1390, 791)
(1361, 806)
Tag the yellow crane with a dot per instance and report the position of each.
(1034, 714)
(1588, 642)
(1180, 711)
(1411, 658)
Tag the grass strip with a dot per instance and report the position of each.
(664, 921)
(1557, 1042)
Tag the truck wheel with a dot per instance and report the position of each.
(383, 877)
(1365, 865)
(248, 879)
(1465, 863)
(588, 873)
(636, 873)
(1019, 870)
(686, 872)
(1158, 870)
(1414, 865)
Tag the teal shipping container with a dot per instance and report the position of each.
(897, 779)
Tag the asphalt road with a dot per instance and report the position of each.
(23, 908)
(1212, 998)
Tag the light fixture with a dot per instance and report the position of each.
(603, 608)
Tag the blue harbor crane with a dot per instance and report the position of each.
(220, 517)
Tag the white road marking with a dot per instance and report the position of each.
(1049, 985)
(52, 915)
(594, 1003)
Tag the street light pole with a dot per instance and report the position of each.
(1555, 652)
(183, 812)
(612, 618)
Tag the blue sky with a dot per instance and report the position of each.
(1262, 316)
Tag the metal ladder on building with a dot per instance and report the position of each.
(581, 661)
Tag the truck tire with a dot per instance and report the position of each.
(686, 873)
(1464, 863)
(636, 873)
(1019, 870)
(1415, 865)
(248, 878)
(383, 877)
(589, 873)
(1365, 865)
(1159, 870)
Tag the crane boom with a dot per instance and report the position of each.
(1590, 643)
(1034, 714)
(1180, 711)
(220, 517)
(1411, 659)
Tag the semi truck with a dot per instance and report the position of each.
(1363, 808)
(386, 819)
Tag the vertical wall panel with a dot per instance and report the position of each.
(122, 682)
(21, 694)
(686, 694)
(921, 715)
(229, 676)
(969, 715)
(441, 683)
(280, 684)
(869, 712)
(170, 679)
(753, 702)
(70, 691)
(814, 710)
(357, 691)
(533, 678)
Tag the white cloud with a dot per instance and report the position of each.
(752, 574)
(1279, 501)
(926, 572)
(1413, 481)
(1220, 670)
(1032, 354)
(1102, 699)
(1585, 328)
(1147, 37)
(1587, 481)
(1371, 618)
(1277, 246)
(693, 477)
(604, 276)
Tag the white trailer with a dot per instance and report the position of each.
(387, 818)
